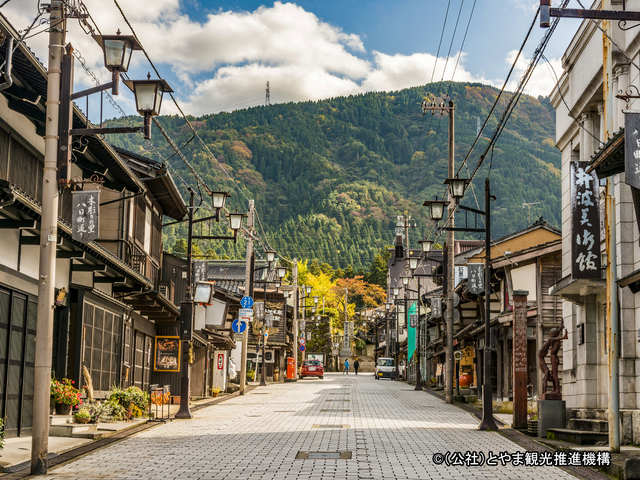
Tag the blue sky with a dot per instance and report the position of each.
(219, 55)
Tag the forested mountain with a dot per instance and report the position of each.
(330, 177)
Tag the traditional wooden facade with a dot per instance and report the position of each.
(113, 303)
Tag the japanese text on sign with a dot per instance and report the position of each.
(632, 149)
(85, 215)
(585, 223)
(476, 278)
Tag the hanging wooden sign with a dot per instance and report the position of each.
(476, 278)
(585, 223)
(85, 215)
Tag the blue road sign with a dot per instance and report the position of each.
(301, 348)
(238, 326)
(246, 302)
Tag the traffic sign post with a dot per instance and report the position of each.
(302, 341)
(238, 326)
(301, 348)
(246, 302)
(246, 312)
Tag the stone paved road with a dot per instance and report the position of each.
(391, 430)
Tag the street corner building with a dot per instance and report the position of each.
(597, 133)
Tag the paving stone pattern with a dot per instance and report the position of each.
(392, 431)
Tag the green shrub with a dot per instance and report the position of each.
(127, 403)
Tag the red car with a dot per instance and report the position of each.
(312, 368)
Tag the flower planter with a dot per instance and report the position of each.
(214, 394)
(532, 427)
(63, 409)
(81, 420)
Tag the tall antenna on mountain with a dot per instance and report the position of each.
(267, 98)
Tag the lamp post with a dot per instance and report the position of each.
(387, 307)
(57, 159)
(413, 265)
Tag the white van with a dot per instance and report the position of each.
(385, 368)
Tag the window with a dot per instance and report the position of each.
(102, 332)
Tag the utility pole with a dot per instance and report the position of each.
(185, 367)
(263, 368)
(247, 291)
(48, 244)
(295, 318)
(450, 261)
(611, 241)
(450, 255)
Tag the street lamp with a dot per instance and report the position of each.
(271, 255)
(413, 262)
(396, 292)
(218, 200)
(436, 208)
(148, 95)
(316, 299)
(117, 54)
(282, 272)
(308, 288)
(235, 223)
(457, 186)
(405, 280)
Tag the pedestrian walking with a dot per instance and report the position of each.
(346, 367)
(356, 365)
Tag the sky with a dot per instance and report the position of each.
(218, 56)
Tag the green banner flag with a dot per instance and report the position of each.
(411, 343)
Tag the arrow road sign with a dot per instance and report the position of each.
(246, 302)
(301, 348)
(238, 326)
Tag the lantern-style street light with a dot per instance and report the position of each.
(271, 255)
(148, 95)
(396, 292)
(282, 272)
(405, 279)
(308, 289)
(117, 54)
(218, 200)
(413, 262)
(457, 186)
(426, 245)
(436, 208)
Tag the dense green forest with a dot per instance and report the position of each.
(330, 177)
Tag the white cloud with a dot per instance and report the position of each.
(542, 79)
(223, 60)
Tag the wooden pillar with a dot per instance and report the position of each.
(520, 359)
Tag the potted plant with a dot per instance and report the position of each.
(82, 416)
(276, 374)
(251, 374)
(65, 395)
(532, 425)
(215, 391)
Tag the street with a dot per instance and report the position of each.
(392, 432)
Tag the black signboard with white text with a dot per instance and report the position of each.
(476, 278)
(84, 211)
(585, 223)
(632, 149)
(200, 270)
(436, 307)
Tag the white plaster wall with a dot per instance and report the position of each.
(9, 244)
(30, 260)
(524, 278)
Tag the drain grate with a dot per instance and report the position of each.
(340, 393)
(338, 400)
(330, 426)
(334, 410)
(323, 455)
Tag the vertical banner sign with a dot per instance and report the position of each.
(632, 149)
(460, 273)
(269, 320)
(345, 342)
(585, 223)
(476, 278)
(258, 310)
(200, 270)
(436, 307)
(84, 211)
(520, 360)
